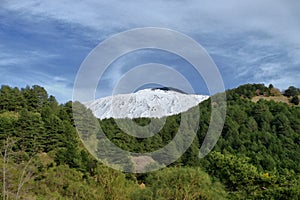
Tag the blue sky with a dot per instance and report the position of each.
(45, 42)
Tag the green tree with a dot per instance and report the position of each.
(295, 100)
(35, 97)
(11, 99)
(183, 183)
(30, 128)
(292, 91)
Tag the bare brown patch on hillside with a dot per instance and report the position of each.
(280, 98)
(141, 162)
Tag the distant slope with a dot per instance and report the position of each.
(145, 103)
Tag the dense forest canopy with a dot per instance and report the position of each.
(256, 157)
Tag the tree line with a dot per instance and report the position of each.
(256, 157)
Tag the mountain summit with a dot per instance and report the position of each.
(155, 102)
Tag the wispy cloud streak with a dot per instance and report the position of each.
(251, 41)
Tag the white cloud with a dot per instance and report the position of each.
(6, 60)
(278, 19)
(272, 17)
(275, 26)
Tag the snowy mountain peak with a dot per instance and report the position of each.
(155, 102)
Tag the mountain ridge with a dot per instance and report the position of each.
(155, 102)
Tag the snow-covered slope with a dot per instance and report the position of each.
(144, 103)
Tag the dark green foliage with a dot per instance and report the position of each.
(30, 128)
(7, 125)
(36, 97)
(142, 121)
(182, 183)
(131, 143)
(234, 171)
(267, 132)
(11, 99)
(295, 100)
(292, 91)
(244, 181)
(248, 91)
(256, 157)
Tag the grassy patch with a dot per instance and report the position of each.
(281, 98)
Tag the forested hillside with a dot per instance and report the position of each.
(256, 157)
